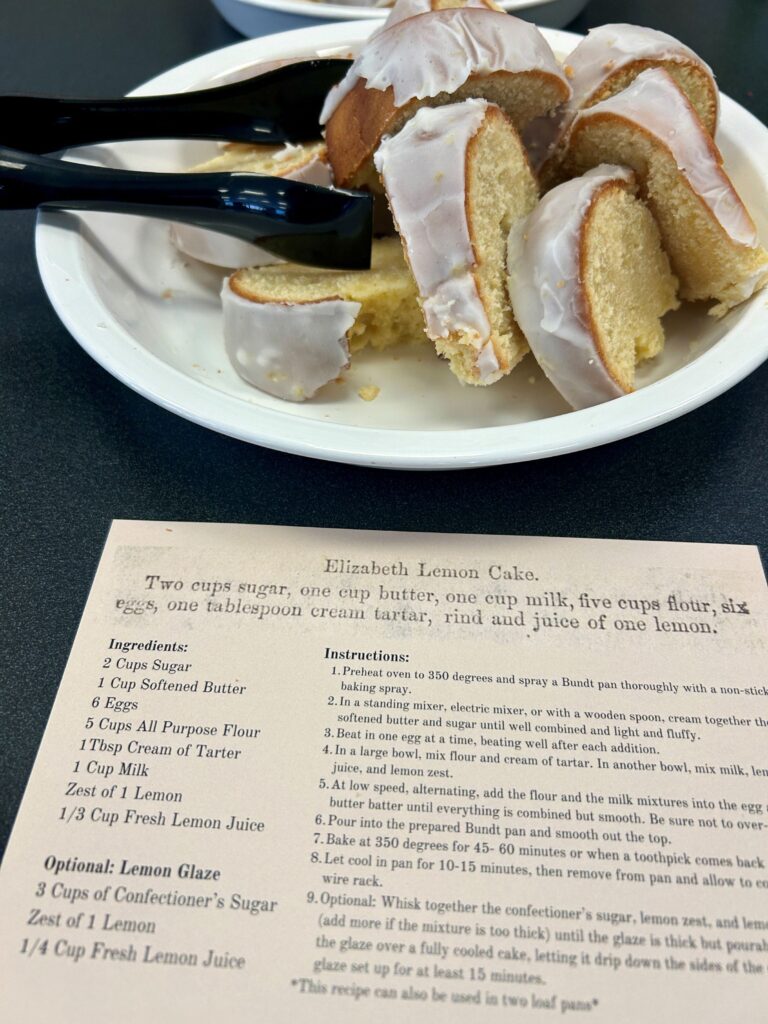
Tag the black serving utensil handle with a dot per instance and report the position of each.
(282, 105)
(304, 223)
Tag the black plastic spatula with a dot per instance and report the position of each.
(303, 223)
(282, 105)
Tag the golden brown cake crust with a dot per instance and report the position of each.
(356, 128)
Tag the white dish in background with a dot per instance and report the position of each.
(255, 17)
(153, 320)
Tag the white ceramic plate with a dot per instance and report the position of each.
(247, 15)
(152, 319)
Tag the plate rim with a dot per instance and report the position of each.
(83, 313)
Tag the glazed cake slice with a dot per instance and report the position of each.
(307, 163)
(611, 57)
(589, 283)
(706, 230)
(604, 63)
(289, 329)
(429, 60)
(457, 178)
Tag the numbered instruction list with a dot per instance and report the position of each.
(320, 775)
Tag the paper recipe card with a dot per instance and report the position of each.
(299, 775)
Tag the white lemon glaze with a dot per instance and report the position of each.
(423, 168)
(438, 51)
(287, 350)
(546, 291)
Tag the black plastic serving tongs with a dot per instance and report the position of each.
(281, 105)
(304, 223)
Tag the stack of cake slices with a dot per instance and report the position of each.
(562, 208)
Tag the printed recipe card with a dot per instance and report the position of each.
(299, 775)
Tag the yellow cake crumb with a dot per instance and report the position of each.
(368, 392)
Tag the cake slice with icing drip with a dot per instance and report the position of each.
(612, 56)
(607, 61)
(457, 178)
(289, 330)
(589, 283)
(706, 230)
(433, 59)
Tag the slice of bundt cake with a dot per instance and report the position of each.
(611, 57)
(289, 329)
(307, 163)
(589, 283)
(605, 62)
(706, 230)
(428, 60)
(457, 178)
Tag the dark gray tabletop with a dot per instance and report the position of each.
(79, 449)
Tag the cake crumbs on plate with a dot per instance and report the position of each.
(368, 392)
